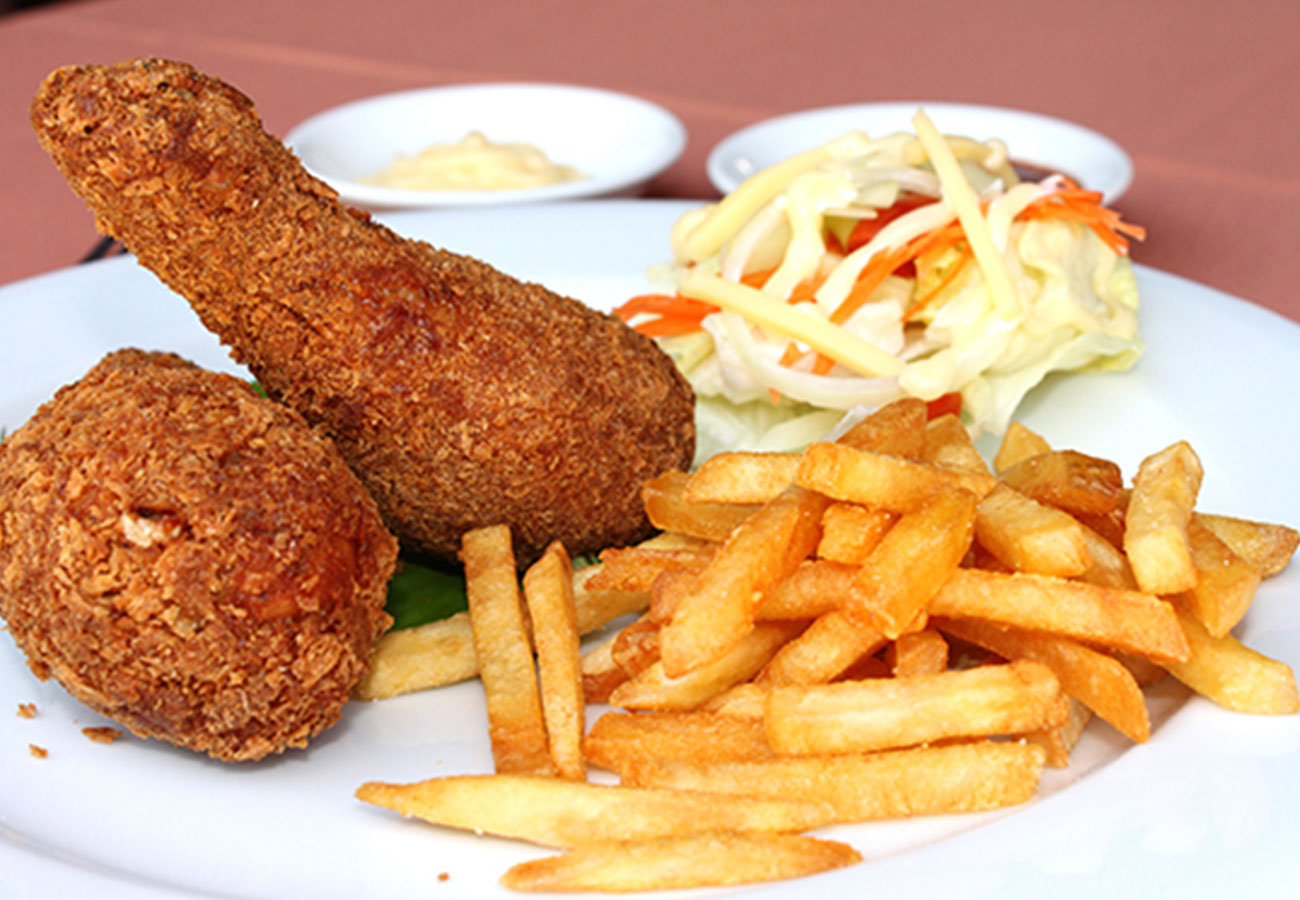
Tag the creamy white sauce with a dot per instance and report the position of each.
(473, 164)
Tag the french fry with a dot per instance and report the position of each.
(1225, 583)
(1057, 743)
(746, 700)
(867, 667)
(505, 655)
(636, 568)
(813, 588)
(912, 561)
(667, 509)
(922, 652)
(601, 673)
(668, 590)
(1144, 671)
(636, 646)
(979, 558)
(596, 608)
(1233, 675)
(948, 444)
(741, 477)
(558, 812)
(875, 479)
(672, 540)
(1129, 621)
(548, 594)
(1108, 525)
(618, 737)
(960, 777)
(719, 859)
(717, 608)
(831, 644)
(897, 428)
(851, 531)
(1068, 480)
(1099, 681)
(1155, 526)
(653, 688)
(1267, 547)
(1018, 443)
(415, 659)
(1028, 536)
(879, 714)
(1107, 565)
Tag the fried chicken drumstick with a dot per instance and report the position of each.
(161, 557)
(459, 395)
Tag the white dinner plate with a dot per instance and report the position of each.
(1205, 808)
(616, 141)
(1094, 160)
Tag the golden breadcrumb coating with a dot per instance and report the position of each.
(461, 396)
(189, 558)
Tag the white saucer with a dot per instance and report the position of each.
(618, 142)
(1093, 160)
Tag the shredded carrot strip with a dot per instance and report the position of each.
(885, 263)
(872, 276)
(757, 279)
(675, 314)
(919, 306)
(667, 326)
(1083, 206)
(803, 291)
(866, 229)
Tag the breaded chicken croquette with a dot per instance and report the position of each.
(189, 558)
(461, 396)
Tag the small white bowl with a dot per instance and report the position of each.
(617, 141)
(1097, 162)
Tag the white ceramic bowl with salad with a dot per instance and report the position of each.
(484, 144)
(1044, 142)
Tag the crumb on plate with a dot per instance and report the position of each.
(102, 733)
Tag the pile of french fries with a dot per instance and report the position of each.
(878, 627)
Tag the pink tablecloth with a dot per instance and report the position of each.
(1205, 101)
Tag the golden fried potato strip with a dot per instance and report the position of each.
(504, 651)
(959, 777)
(558, 812)
(718, 859)
(883, 713)
(1155, 525)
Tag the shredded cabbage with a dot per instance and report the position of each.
(963, 280)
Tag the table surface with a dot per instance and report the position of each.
(1204, 100)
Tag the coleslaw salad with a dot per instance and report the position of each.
(866, 269)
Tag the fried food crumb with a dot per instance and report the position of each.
(27, 710)
(38, 752)
(102, 734)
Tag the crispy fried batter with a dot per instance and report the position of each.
(189, 558)
(461, 396)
